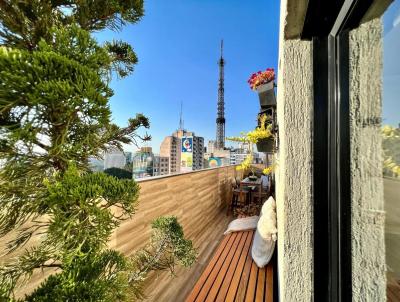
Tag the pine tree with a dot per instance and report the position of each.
(54, 116)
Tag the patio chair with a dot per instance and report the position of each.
(259, 197)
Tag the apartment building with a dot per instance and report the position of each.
(185, 151)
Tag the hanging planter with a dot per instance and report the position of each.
(266, 145)
(263, 83)
(266, 95)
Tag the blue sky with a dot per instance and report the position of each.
(391, 65)
(177, 43)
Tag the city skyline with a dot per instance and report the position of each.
(183, 56)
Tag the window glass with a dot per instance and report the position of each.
(391, 140)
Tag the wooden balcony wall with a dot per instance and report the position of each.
(199, 201)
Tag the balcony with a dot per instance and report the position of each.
(199, 201)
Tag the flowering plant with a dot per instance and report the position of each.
(261, 77)
(252, 137)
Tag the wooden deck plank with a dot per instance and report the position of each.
(251, 286)
(244, 280)
(241, 270)
(393, 289)
(232, 275)
(214, 272)
(260, 284)
(269, 296)
(393, 293)
(227, 242)
(233, 254)
(237, 265)
(390, 296)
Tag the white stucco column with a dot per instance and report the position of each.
(294, 169)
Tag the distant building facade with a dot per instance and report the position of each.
(96, 164)
(143, 163)
(211, 146)
(238, 156)
(161, 165)
(169, 148)
(116, 159)
(185, 151)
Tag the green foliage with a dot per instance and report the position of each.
(109, 276)
(95, 278)
(166, 248)
(263, 131)
(119, 173)
(26, 22)
(54, 116)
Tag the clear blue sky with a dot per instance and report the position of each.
(177, 43)
(391, 65)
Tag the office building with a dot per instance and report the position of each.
(143, 163)
(161, 165)
(185, 151)
(115, 158)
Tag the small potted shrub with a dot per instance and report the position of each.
(263, 83)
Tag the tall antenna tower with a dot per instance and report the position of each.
(181, 119)
(220, 141)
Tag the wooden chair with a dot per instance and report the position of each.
(240, 197)
(259, 197)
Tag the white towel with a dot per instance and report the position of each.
(242, 224)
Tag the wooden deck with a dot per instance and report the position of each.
(393, 289)
(232, 275)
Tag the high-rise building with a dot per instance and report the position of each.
(115, 158)
(161, 165)
(237, 156)
(211, 146)
(185, 151)
(169, 148)
(143, 163)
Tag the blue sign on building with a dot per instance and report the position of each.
(187, 144)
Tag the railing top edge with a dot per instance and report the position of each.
(139, 180)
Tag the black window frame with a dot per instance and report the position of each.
(328, 27)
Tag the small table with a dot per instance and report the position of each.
(250, 183)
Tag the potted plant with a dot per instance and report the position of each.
(266, 145)
(265, 121)
(261, 135)
(263, 83)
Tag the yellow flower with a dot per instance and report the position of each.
(269, 170)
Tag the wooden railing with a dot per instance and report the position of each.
(197, 198)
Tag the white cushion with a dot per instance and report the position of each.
(266, 234)
(269, 204)
(262, 250)
(242, 224)
(266, 226)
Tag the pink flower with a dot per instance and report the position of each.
(261, 77)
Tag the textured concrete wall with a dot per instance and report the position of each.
(368, 245)
(293, 175)
(294, 172)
